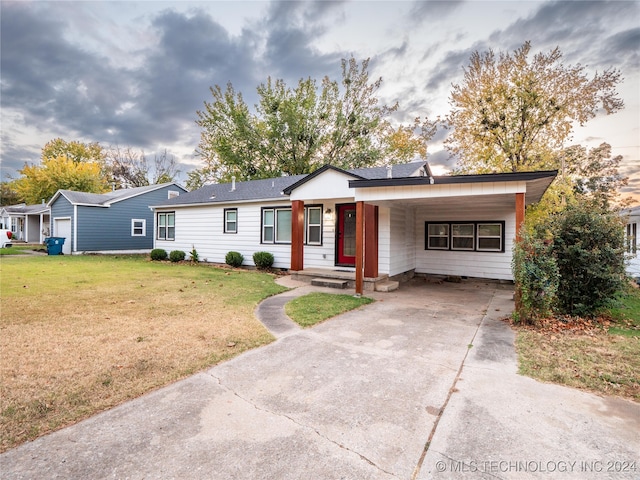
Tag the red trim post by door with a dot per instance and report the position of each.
(297, 235)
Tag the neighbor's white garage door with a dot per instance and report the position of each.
(62, 228)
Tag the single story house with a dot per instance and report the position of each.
(28, 223)
(376, 222)
(632, 241)
(115, 222)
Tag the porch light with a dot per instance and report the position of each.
(328, 215)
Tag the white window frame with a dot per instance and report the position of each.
(143, 227)
(429, 236)
(632, 238)
(308, 225)
(227, 229)
(454, 236)
(166, 216)
(172, 194)
(500, 237)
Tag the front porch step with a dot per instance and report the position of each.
(329, 282)
(387, 286)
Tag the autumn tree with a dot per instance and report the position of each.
(595, 172)
(8, 193)
(73, 150)
(513, 113)
(41, 182)
(127, 168)
(65, 165)
(297, 130)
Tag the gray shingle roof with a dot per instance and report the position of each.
(103, 199)
(397, 171)
(268, 189)
(272, 188)
(23, 209)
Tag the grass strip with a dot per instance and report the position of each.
(314, 308)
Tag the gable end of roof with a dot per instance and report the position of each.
(316, 173)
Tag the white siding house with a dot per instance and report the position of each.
(381, 221)
(632, 242)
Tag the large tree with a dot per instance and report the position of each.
(74, 150)
(65, 165)
(41, 182)
(514, 113)
(127, 168)
(8, 193)
(297, 130)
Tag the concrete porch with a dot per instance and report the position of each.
(336, 278)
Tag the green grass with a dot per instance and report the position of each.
(313, 308)
(18, 250)
(626, 314)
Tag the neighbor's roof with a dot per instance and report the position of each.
(277, 187)
(23, 209)
(631, 211)
(106, 199)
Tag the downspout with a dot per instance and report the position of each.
(74, 233)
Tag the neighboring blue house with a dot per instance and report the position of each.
(116, 222)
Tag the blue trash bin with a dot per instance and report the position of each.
(54, 245)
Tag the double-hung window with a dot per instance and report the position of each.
(490, 237)
(138, 227)
(167, 226)
(276, 225)
(632, 238)
(230, 220)
(462, 236)
(438, 236)
(313, 225)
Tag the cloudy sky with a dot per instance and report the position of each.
(135, 73)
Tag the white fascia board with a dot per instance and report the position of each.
(411, 192)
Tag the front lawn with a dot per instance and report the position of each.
(80, 334)
(602, 357)
(20, 249)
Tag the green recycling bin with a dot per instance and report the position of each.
(54, 245)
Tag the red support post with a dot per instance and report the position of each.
(519, 214)
(297, 235)
(359, 248)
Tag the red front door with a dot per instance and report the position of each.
(346, 234)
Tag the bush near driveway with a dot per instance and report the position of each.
(81, 334)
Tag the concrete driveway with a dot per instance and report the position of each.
(421, 384)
